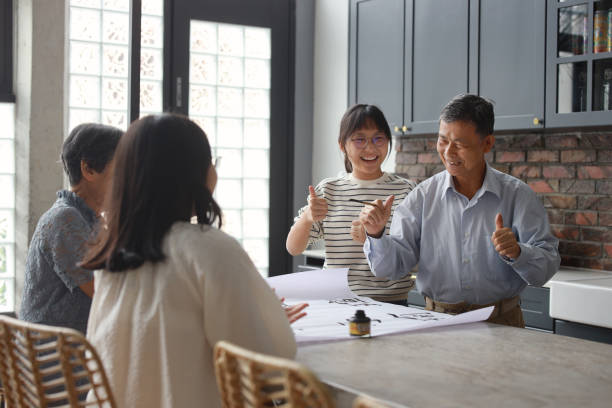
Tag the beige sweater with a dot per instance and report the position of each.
(155, 326)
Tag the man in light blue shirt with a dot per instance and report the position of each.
(479, 235)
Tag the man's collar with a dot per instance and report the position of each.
(490, 183)
(448, 184)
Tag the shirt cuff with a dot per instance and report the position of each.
(372, 248)
(522, 258)
(373, 237)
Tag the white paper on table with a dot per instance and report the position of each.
(328, 283)
(328, 320)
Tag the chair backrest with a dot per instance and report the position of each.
(249, 379)
(363, 401)
(44, 366)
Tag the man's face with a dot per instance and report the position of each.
(462, 150)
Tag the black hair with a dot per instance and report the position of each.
(91, 143)
(471, 108)
(357, 117)
(161, 168)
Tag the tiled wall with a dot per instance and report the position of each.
(571, 172)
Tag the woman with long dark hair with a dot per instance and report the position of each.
(167, 290)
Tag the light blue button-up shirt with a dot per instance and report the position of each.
(449, 237)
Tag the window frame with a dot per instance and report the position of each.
(7, 96)
(6, 51)
(134, 46)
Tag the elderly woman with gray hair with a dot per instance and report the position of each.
(57, 291)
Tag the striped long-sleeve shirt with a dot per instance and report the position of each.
(335, 229)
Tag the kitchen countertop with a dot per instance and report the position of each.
(568, 274)
(471, 365)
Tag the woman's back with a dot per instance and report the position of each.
(155, 326)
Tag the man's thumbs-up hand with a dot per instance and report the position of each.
(499, 222)
(317, 206)
(504, 240)
(374, 217)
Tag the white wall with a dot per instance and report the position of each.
(330, 86)
(302, 148)
(304, 55)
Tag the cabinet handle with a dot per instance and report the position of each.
(538, 121)
(405, 128)
(397, 129)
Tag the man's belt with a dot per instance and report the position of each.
(501, 307)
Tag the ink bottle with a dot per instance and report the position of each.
(359, 325)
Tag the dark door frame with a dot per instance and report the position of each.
(6, 51)
(279, 15)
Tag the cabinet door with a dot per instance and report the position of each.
(439, 51)
(376, 56)
(578, 64)
(583, 331)
(535, 303)
(511, 60)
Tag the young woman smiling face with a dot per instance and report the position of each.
(366, 149)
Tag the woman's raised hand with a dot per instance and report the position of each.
(374, 217)
(317, 207)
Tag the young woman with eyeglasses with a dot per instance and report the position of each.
(332, 214)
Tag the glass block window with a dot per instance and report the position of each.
(229, 97)
(7, 208)
(99, 59)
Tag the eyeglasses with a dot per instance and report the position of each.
(360, 141)
(216, 161)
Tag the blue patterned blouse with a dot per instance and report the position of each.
(51, 293)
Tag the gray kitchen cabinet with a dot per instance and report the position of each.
(579, 67)
(511, 61)
(312, 260)
(535, 303)
(415, 299)
(495, 48)
(438, 56)
(583, 331)
(376, 52)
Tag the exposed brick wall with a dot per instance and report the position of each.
(571, 172)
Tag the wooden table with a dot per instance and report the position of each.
(474, 365)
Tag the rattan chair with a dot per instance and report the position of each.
(42, 366)
(363, 401)
(249, 379)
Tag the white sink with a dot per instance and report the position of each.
(583, 299)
